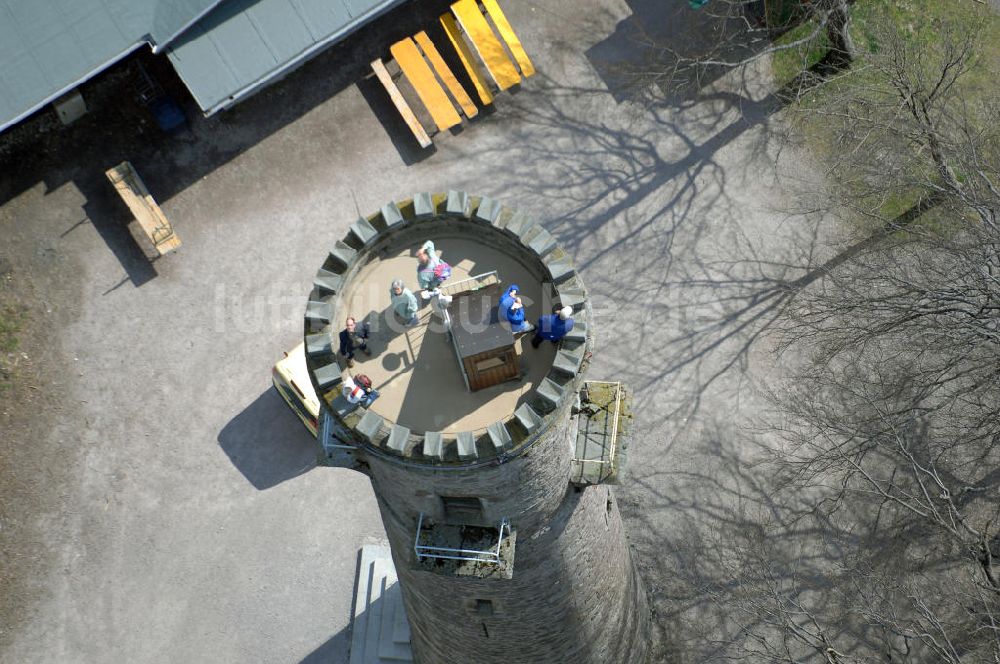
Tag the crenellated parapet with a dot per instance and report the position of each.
(512, 232)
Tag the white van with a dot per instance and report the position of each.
(291, 379)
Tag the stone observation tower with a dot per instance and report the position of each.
(507, 543)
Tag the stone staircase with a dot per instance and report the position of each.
(381, 633)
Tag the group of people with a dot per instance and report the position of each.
(551, 327)
(431, 273)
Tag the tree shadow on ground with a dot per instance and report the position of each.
(650, 47)
(715, 545)
(645, 207)
(267, 442)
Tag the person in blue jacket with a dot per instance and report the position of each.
(553, 327)
(512, 311)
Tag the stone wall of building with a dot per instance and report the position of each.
(575, 595)
(527, 489)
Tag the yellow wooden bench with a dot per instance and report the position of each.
(469, 61)
(509, 36)
(421, 63)
(400, 103)
(483, 39)
(408, 57)
(151, 219)
(456, 90)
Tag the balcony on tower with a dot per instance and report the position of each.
(485, 552)
(601, 425)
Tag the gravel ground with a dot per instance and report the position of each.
(160, 502)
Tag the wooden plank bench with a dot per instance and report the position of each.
(445, 74)
(485, 41)
(151, 219)
(397, 99)
(419, 74)
(509, 36)
(470, 63)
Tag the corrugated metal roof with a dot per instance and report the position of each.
(50, 46)
(243, 45)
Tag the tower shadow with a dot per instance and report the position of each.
(267, 443)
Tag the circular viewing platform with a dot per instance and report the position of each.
(454, 388)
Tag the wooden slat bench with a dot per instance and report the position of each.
(445, 74)
(489, 48)
(509, 36)
(151, 219)
(468, 60)
(400, 103)
(419, 74)
(435, 84)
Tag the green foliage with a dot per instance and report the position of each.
(11, 320)
(788, 64)
(920, 27)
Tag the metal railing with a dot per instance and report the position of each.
(614, 422)
(327, 437)
(470, 555)
(475, 282)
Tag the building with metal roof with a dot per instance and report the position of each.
(245, 45)
(223, 50)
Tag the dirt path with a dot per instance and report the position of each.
(38, 293)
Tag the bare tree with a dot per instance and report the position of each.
(889, 424)
(725, 35)
(893, 419)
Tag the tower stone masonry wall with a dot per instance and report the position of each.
(527, 489)
(573, 594)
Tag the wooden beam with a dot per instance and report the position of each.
(151, 219)
(415, 68)
(472, 67)
(446, 75)
(483, 39)
(397, 99)
(509, 36)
